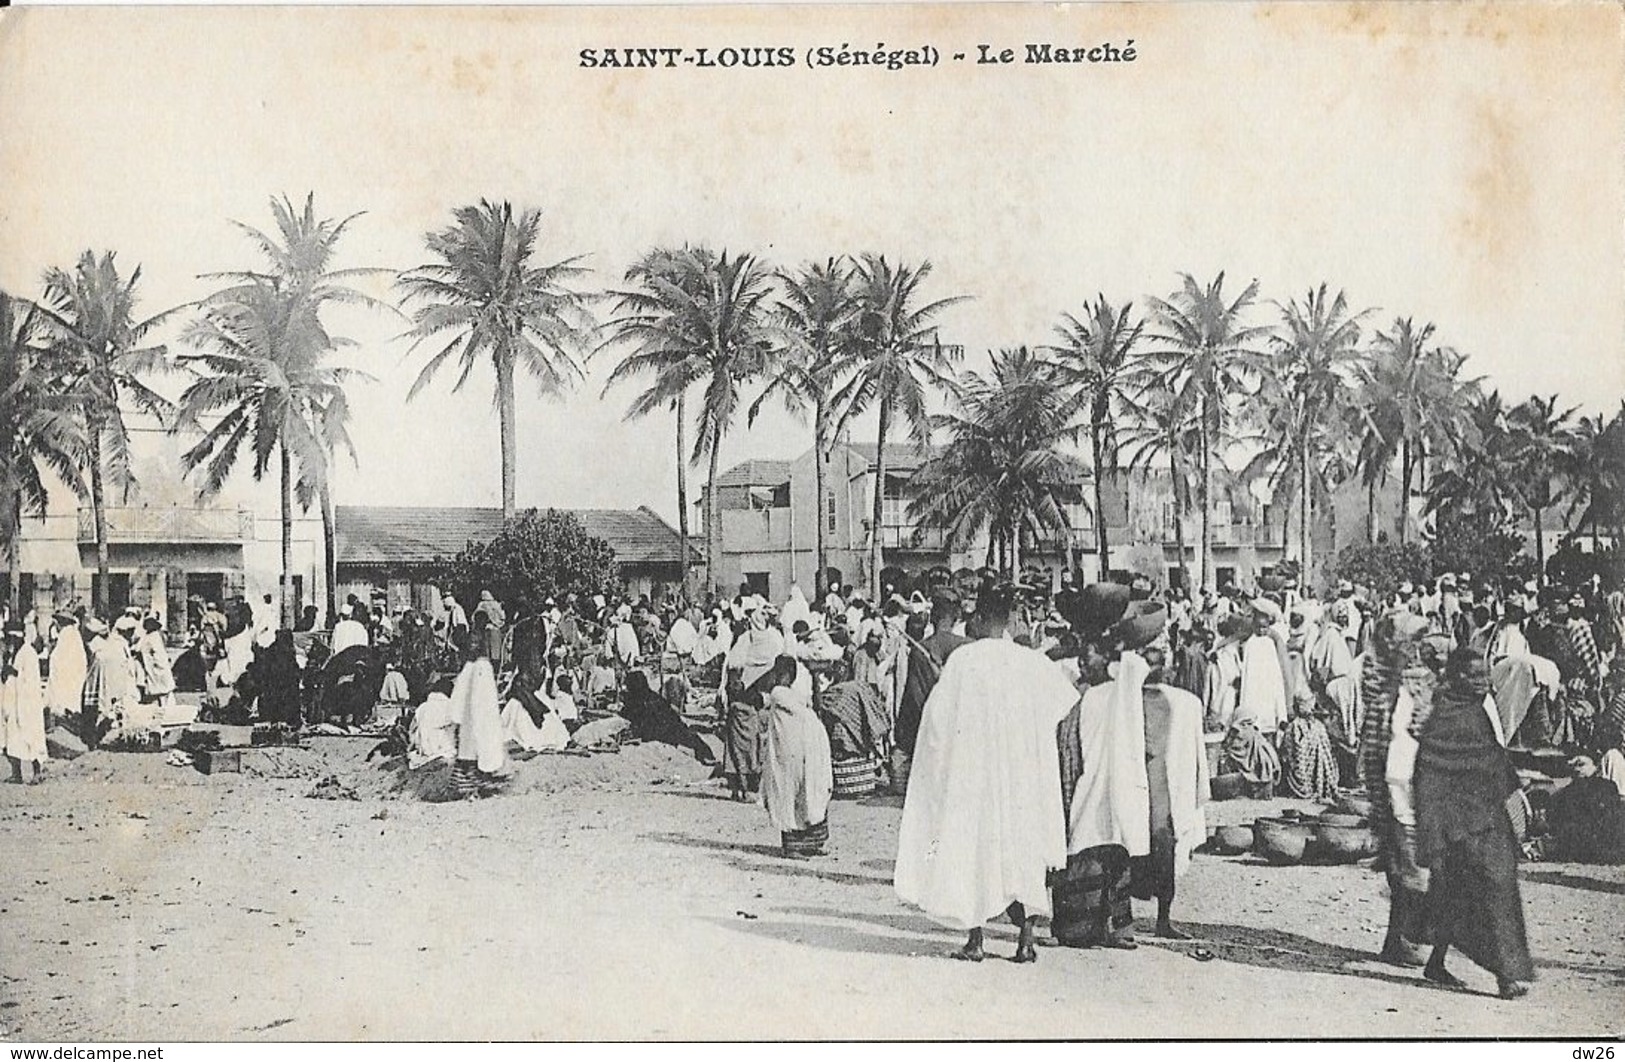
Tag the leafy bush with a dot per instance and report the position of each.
(536, 555)
(1480, 544)
(1382, 566)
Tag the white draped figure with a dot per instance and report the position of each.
(68, 666)
(982, 822)
(22, 708)
(479, 721)
(1112, 803)
(1263, 686)
(797, 772)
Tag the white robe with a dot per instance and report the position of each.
(347, 634)
(983, 823)
(22, 709)
(478, 717)
(682, 637)
(795, 608)
(1187, 774)
(1112, 802)
(434, 735)
(68, 666)
(1263, 686)
(797, 773)
(519, 728)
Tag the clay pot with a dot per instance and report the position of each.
(1354, 802)
(1226, 786)
(1233, 840)
(1346, 844)
(1341, 818)
(1282, 841)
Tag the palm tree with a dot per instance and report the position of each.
(1158, 427)
(816, 315)
(1598, 484)
(1484, 478)
(1305, 405)
(298, 258)
(1416, 405)
(264, 376)
(103, 346)
(1004, 465)
(39, 432)
(696, 317)
(1209, 357)
(1095, 361)
(487, 292)
(896, 354)
(1543, 447)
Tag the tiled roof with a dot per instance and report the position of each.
(900, 457)
(391, 534)
(756, 472)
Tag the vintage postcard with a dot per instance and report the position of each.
(833, 522)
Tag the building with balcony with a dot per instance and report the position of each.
(768, 513)
(164, 543)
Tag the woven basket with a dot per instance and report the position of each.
(856, 777)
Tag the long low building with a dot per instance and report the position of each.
(399, 549)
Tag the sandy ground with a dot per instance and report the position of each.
(621, 896)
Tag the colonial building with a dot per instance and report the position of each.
(399, 549)
(768, 530)
(164, 543)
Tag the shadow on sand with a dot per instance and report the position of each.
(1574, 881)
(777, 863)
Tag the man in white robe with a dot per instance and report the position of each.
(68, 666)
(1263, 683)
(982, 823)
(22, 707)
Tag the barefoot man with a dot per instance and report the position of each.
(982, 823)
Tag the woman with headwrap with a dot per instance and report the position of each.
(797, 772)
(749, 660)
(1464, 835)
(1392, 682)
(1308, 763)
(482, 754)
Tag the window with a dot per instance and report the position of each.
(756, 583)
(1176, 577)
(1226, 576)
(829, 513)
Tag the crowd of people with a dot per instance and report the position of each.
(1055, 744)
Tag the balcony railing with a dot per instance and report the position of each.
(905, 536)
(170, 523)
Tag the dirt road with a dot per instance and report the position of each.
(622, 897)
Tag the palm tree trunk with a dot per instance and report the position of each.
(682, 493)
(1098, 445)
(505, 414)
(712, 567)
(820, 428)
(1306, 520)
(330, 572)
(1405, 471)
(14, 592)
(1540, 546)
(1175, 473)
(1208, 581)
(1371, 511)
(285, 608)
(876, 558)
(98, 512)
(1015, 551)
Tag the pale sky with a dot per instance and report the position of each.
(1462, 164)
